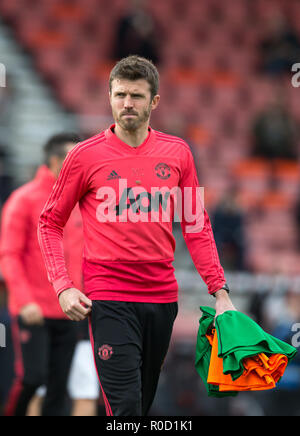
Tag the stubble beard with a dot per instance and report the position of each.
(133, 124)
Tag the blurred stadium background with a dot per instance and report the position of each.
(226, 87)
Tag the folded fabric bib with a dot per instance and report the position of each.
(238, 355)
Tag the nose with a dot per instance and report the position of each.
(128, 103)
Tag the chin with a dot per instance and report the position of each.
(130, 126)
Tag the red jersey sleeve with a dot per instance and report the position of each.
(14, 233)
(67, 191)
(197, 229)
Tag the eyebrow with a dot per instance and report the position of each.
(134, 94)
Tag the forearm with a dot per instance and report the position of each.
(51, 244)
(204, 254)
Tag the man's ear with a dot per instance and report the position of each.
(155, 101)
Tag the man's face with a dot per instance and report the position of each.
(131, 103)
(56, 162)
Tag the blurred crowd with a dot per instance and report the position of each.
(274, 133)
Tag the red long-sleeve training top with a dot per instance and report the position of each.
(21, 260)
(127, 204)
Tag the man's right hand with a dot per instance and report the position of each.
(31, 314)
(75, 304)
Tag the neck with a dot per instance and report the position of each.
(54, 171)
(135, 138)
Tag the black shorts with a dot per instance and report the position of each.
(130, 342)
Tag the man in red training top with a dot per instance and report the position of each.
(44, 337)
(128, 181)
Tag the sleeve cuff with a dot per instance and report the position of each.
(61, 285)
(217, 287)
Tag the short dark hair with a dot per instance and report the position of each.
(55, 145)
(134, 68)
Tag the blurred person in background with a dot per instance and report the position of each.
(279, 49)
(229, 230)
(275, 131)
(44, 339)
(137, 33)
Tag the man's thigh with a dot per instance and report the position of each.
(116, 334)
(159, 320)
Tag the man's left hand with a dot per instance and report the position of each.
(223, 302)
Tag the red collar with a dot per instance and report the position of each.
(112, 137)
